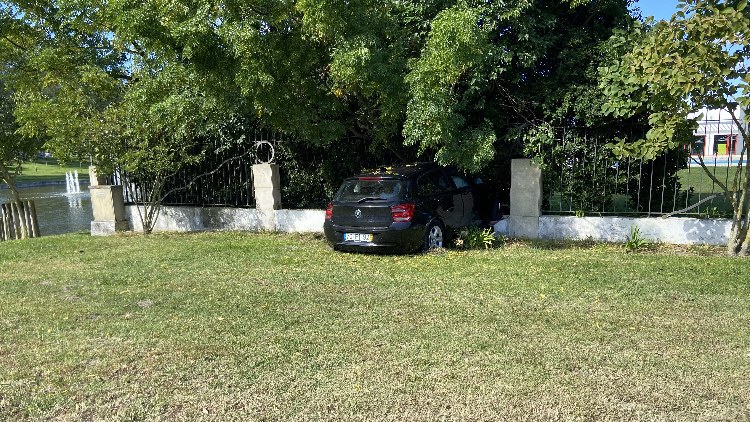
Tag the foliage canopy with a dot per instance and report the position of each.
(440, 79)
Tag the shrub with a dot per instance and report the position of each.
(473, 237)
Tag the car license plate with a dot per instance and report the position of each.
(357, 237)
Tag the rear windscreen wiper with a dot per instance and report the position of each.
(370, 198)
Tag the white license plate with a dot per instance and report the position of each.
(357, 237)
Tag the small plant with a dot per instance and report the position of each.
(712, 212)
(580, 213)
(473, 237)
(635, 240)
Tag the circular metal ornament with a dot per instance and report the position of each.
(264, 152)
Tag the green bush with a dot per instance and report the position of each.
(473, 237)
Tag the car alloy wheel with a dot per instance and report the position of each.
(435, 236)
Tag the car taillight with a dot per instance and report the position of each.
(402, 212)
(329, 211)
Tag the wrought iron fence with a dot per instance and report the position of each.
(222, 178)
(312, 172)
(583, 177)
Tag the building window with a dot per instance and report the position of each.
(697, 147)
(725, 144)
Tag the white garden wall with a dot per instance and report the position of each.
(194, 219)
(682, 231)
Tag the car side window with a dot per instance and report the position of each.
(459, 181)
(432, 183)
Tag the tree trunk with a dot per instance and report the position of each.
(739, 237)
(149, 205)
(744, 213)
(742, 241)
(10, 180)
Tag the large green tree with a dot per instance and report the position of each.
(14, 150)
(490, 68)
(126, 82)
(670, 69)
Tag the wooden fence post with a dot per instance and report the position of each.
(26, 220)
(34, 220)
(18, 221)
(16, 218)
(7, 229)
(10, 229)
(22, 220)
(2, 223)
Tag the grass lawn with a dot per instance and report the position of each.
(49, 170)
(697, 178)
(703, 187)
(262, 326)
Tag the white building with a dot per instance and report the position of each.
(717, 134)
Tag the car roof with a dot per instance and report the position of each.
(401, 171)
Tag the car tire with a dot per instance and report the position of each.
(435, 236)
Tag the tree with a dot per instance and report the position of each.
(491, 71)
(697, 59)
(106, 80)
(14, 148)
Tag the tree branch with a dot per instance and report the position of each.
(713, 177)
(190, 183)
(15, 44)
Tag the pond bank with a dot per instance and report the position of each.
(25, 185)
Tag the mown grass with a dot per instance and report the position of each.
(697, 178)
(702, 186)
(50, 170)
(261, 326)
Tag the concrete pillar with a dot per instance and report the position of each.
(108, 206)
(525, 199)
(96, 178)
(267, 188)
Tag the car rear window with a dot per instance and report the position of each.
(363, 189)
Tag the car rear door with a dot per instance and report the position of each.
(440, 197)
(467, 195)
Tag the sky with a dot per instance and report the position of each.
(660, 9)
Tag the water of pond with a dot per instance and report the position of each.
(58, 212)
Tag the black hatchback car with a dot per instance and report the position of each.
(405, 208)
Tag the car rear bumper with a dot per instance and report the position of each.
(398, 238)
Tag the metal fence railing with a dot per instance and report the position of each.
(222, 178)
(586, 178)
